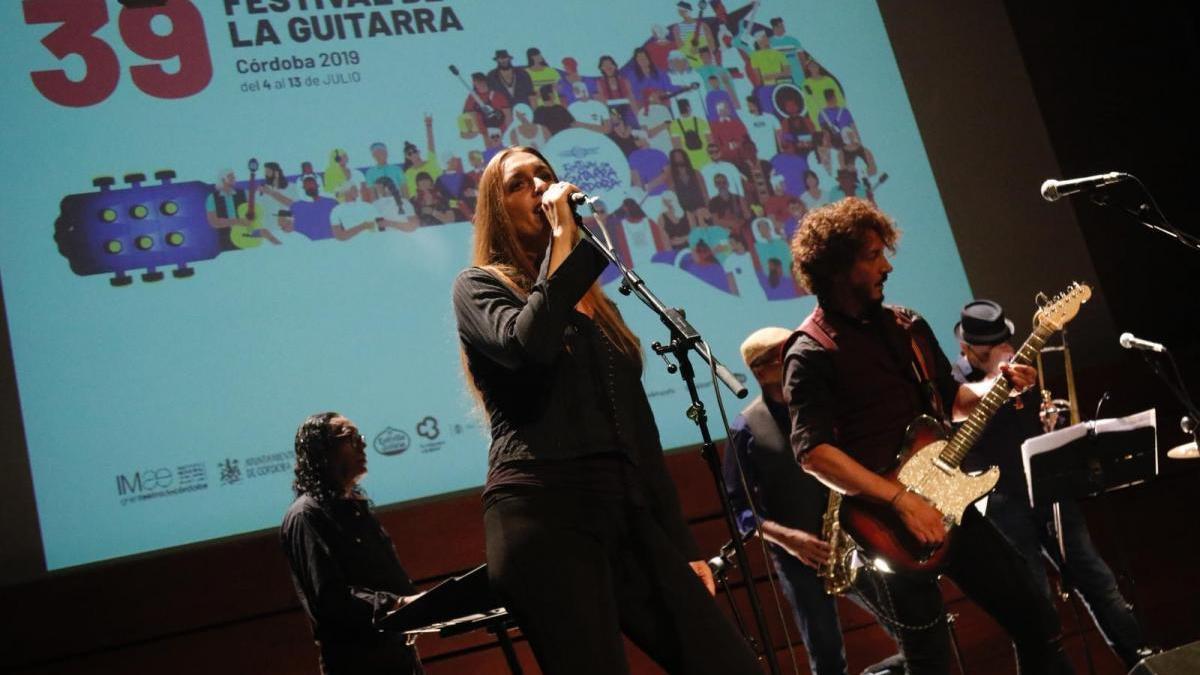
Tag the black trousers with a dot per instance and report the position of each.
(576, 572)
(991, 573)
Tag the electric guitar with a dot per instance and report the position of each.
(243, 236)
(929, 462)
(491, 116)
(870, 187)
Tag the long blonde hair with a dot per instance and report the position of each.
(497, 249)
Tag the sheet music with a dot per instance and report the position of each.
(1061, 437)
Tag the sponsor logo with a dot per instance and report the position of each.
(229, 471)
(145, 481)
(269, 464)
(392, 441)
(161, 482)
(190, 475)
(428, 428)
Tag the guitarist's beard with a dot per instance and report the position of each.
(870, 303)
(872, 307)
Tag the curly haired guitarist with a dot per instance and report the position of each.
(856, 373)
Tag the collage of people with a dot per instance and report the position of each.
(732, 131)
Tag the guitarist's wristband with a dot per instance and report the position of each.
(899, 493)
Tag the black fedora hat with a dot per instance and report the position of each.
(983, 323)
(501, 54)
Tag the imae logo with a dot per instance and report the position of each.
(146, 480)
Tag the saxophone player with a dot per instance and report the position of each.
(791, 505)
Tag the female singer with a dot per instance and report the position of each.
(585, 539)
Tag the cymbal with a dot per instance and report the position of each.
(1185, 451)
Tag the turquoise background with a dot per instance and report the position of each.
(224, 365)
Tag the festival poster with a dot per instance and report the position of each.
(231, 214)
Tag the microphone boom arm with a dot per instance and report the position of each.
(684, 336)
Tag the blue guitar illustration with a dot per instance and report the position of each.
(140, 227)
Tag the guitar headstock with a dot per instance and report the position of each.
(1063, 307)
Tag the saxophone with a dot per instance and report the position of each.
(838, 571)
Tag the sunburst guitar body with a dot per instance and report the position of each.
(930, 459)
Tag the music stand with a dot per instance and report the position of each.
(1084, 460)
(457, 605)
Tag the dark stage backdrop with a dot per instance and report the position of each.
(1003, 98)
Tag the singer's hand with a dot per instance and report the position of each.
(557, 208)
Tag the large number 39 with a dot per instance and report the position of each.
(80, 20)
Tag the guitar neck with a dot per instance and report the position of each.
(968, 434)
(470, 89)
(250, 196)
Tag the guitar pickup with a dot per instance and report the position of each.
(946, 468)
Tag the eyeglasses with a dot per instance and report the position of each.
(357, 440)
(981, 351)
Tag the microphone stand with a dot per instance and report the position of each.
(684, 340)
(1189, 422)
(1145, 208)
(720, 565)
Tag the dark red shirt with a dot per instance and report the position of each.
(851, 382)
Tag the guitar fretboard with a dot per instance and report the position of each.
(970, 431)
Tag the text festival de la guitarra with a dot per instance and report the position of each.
(329, 20)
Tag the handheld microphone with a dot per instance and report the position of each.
(1128, 341)
(1053, 189)
(578, 199)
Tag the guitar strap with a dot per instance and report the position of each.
(922, 370)
(920, 361)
